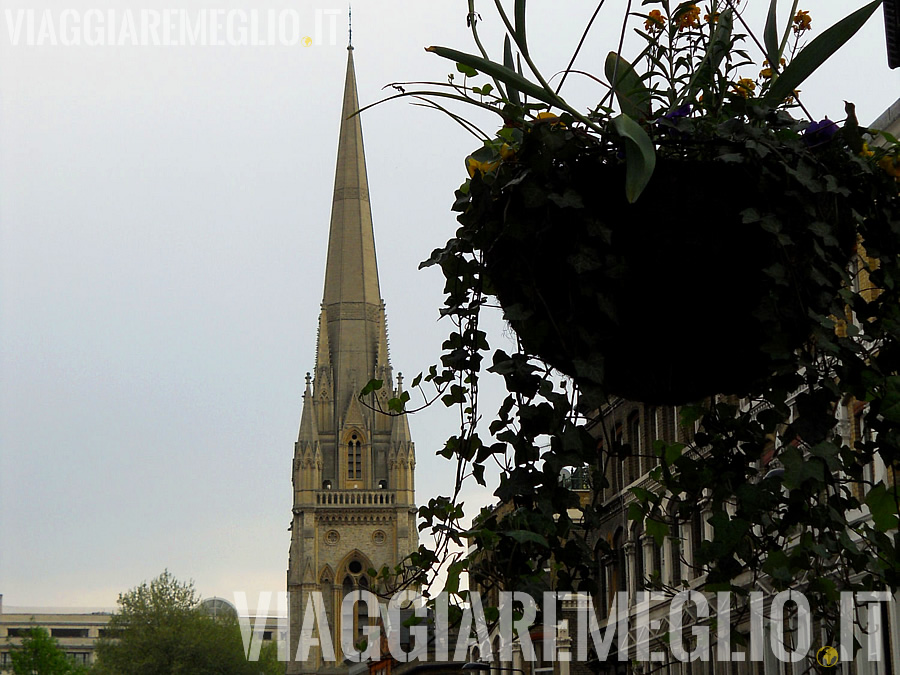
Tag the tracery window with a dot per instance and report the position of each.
(354, 458)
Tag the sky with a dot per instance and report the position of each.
(164, 218)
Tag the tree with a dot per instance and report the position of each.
(159, 629)
(39, 654)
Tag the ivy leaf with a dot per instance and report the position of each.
(372, 385)
(468, 71)
(673, 452)
(570, 198)
(890, 403)
(883, 507)
(640, 156)
(658, 530)
(524, 536)
(797, 469)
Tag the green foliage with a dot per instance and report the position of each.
(769, 311)
(39, 654)
(159, 630)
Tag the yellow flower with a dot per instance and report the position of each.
(865, 152)
(655, 21)
(507, 152)
(689, 18)
(549, 117)
(801, 21)
(891, 165)
(711, 18)
(790, 100)
(473, 165)
(744, 87)
(767, 71)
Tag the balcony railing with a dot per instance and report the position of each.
(356, 498)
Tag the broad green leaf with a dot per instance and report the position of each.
(817, 52)
(640, 156)
(512, 94)
(632, 94)
(770, 36)
(502, 73)
(883, 507)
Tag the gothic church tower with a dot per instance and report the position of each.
(353, 467)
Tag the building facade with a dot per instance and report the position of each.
(354, 464)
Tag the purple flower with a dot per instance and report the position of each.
(682, 111)
(820, 132)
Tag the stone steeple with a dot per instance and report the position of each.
(353, 466)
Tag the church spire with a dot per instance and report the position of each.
(353, 470)
(352, 305)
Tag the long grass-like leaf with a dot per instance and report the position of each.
(425, 94)
(770, 36)
(519, 17)
(473, 23)
(502, 73)
(461, 121)
(817, 52)
(511, 92)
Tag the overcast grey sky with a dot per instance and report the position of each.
(163, 223)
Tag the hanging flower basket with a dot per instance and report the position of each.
(688, 234)
(705, 284)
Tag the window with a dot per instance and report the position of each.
(354, 458)
(620, 570)
(356, 580)
(633, 463)
(618, 477)
(69, 632)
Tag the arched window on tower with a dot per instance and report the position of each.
(355, 579)
(354, 458)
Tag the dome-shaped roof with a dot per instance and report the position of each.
(218, 607)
